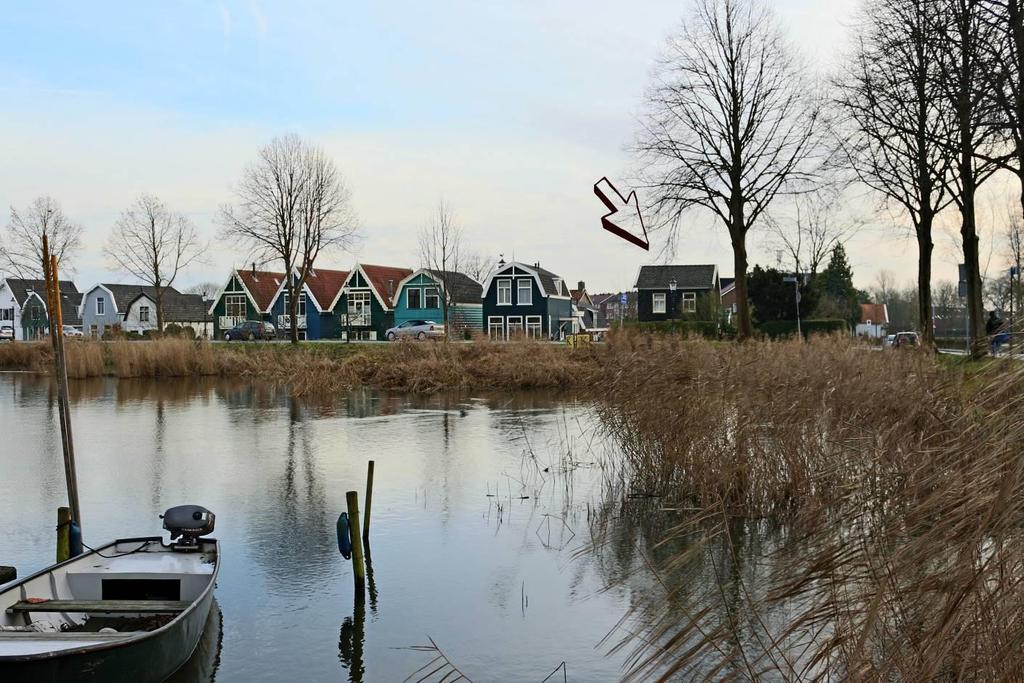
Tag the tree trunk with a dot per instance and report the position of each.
(159, 295)
(293, 308)
(924, 279)
(969, 234)
(744, 327)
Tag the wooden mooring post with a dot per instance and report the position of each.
(369, 500)
(358, 567)
(63, 534)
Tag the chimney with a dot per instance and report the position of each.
(581, 285)
(501, 260)
(391, 289)
(254, 269)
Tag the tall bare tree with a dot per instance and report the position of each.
(441, 251)
(1006, 20)
(817, 222)
(966, 61)
(893, 115)
(21, 250)
(154, 244)
(292, 205)
(475, 265)
(729, 125)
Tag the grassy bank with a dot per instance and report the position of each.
(314, 368)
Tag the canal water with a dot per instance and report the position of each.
(481, 508)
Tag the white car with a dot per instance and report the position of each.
(6, 333)
(418, 329)
(71, 331)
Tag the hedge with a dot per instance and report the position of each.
(787, 328)
(705, 328)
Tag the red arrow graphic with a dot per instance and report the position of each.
(622, 211)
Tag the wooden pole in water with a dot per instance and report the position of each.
(56, 320)
(63, 533)
(358, 568)
(369, 500)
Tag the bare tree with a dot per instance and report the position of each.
(441, 251)
(1006, 20)
(475, 265)
(153, 243)
(207, 290)
(21, 251)
(729, 126)
(819, 221)
(893, 115)
(966, 61)
(292, 205)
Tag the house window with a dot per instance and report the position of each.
(515, 326)
(6, 314)
(35, 313)
(359, 308)
(690, 302)
(234, 305)
(658, 302)
(533, 326)
(100, 305)
(524, 292)
(412, 298)
(735, 307)
(302, 304)
(504, 292)
(143, 314)
(495, 330)
(431, 297)
(93, 330)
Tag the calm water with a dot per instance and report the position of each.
(493, 579)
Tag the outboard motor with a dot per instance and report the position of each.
(186, 524)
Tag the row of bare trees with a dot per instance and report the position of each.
(927, 108)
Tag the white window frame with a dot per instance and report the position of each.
(689, 302)
(535, 323)
(101, 305)
(302, 303)
(495, 322)
(143, 314)
(514, 321)
(505, 285)
(234, 305)
(528, 301)
(431, 292)
(419, 298)
(656, 298)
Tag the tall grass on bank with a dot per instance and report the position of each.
(898, 490)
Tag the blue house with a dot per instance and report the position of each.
(522, 300)
(422, 296)
(315, 317)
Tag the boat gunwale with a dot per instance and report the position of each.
(139, 636)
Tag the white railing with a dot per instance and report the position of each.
(284, 322)
(359, 320)
(226, 322)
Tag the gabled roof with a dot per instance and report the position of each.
(877, 314)
(20, 288)
(379, 279)
(686, 277)
(726, 284)
(549, 280)
(262, 286)
(581, 298)
(545, 279)
(177, 307)
(69, 305)
(325, 285)
(464, 289)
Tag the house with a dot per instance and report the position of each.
(677, 292)
(874, 321)
(730, 305)
(616, 307)
(186, 310)
(132, 308)
(247, 295)
(23, 306)
(314, 317)
(365, 306)
(420, 296)
(588, 316)
(526, 300)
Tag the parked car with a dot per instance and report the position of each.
(6, 333)
(251, 330)
(906, 339)
(888, 341)
(71, 331)
(420, 329)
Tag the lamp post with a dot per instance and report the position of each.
(671, 297)
(796, 295)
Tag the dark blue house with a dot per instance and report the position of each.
(523, 300)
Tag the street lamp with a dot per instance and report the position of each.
(796, 290)
(671, 297)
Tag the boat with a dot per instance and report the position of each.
(131, 610)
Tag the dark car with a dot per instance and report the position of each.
(251, 330)
(905, 340)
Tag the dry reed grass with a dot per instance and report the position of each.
(901, 491)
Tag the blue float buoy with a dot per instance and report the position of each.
(344, 539)
(74, 539)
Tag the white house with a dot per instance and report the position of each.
(874, 321)
(15, 297)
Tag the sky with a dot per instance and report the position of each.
(509, 111)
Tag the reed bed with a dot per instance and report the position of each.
(894, 488)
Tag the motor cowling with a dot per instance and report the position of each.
(188, 523)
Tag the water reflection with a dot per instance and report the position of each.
(202, 666)
(351, 639)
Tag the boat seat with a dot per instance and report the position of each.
(121, 606)
(67, 635)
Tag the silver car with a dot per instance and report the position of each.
(6, 333)
(419, 329)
